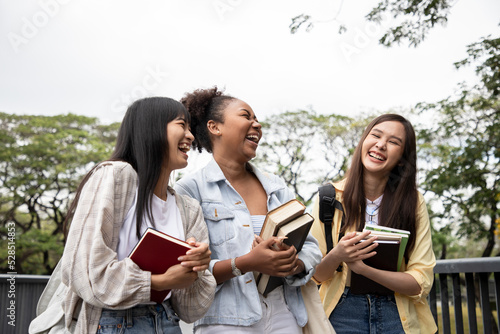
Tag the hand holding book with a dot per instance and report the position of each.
(172, 262)
(286, 226)
(274, 261)
(389, 256)
(197, 258)
(350, 248)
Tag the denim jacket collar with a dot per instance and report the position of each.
(214, 174)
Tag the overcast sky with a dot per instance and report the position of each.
(94, 57)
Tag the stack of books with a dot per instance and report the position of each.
(390, 253)
(290, 222)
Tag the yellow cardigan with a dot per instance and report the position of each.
(414, 311)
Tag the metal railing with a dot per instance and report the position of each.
(471, 275)
(24, 291)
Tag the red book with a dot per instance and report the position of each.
(156, 252)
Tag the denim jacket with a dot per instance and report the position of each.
(231, 234)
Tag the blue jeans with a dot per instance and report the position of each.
(366, 314)
(141, 319)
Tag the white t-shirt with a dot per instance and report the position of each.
(167, 219)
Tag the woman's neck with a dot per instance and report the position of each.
(374, 187)
(161, 187)
(232, 169)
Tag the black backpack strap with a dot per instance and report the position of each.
(327, 206)
(327, 211)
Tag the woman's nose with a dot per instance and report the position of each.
(189, 135)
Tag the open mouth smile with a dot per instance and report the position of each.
(184, 147)
(376, 156)
(253, 138)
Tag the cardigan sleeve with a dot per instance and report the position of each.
(89, 264)
(193, 302)
(422, 260)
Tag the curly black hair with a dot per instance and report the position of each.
(204, 105)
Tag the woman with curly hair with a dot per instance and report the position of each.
(235, 197)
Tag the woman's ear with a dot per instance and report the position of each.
(213, 128)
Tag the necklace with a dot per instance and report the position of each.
(372, 210)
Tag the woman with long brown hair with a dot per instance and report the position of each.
(380, 188)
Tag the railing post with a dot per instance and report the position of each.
(457, 304)
(433, 302)
(471, 302)
(485, 302)
(445, 310)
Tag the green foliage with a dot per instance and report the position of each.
(465, 142)
(416, 18)
(41, 163)
(307, 150)
(413, 19)
(486, 52)
(462, 147)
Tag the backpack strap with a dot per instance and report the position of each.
(327, 206)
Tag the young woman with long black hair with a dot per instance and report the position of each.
(114, 205)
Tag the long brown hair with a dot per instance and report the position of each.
(399, 204)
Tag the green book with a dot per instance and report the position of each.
(404, 238)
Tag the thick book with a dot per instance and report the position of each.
(291, 223)
(294, 233)
(377, 229)
(156, 252)
(385, 259)
(280, 216)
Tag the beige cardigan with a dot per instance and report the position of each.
(90, 268)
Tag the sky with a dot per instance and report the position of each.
(95, 57)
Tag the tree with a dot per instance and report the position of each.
(307, 150)
(41, 161)
(465, 145)
(413, 19)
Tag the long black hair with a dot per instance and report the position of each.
(142, 142)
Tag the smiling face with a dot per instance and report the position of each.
(240, 132)
(179, 139)
(383, 148)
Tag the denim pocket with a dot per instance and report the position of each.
(392, 300)
(220, 222)
(342, 298)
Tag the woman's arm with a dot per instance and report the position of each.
(400, 282)
(90, 265)
(192, 303)
(263, 258)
